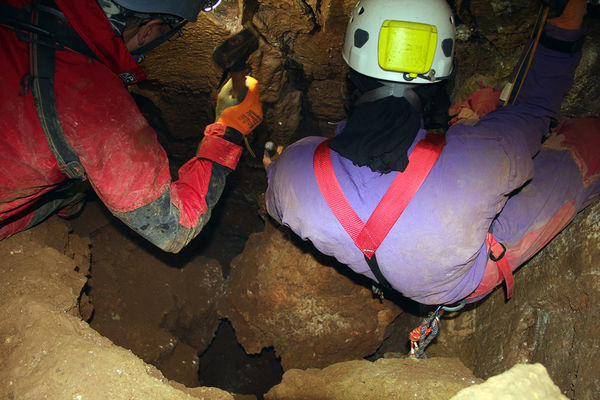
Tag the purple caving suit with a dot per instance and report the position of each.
(436, 252)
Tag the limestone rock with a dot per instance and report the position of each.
(520, 382)
(47, 351)
(329, 95)
(582, 99)
(386, 378)
(282, 32)
(280, 295)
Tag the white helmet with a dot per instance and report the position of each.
(401, 40)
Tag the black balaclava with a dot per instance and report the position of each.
(378, 133)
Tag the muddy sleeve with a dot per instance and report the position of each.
(183, 209)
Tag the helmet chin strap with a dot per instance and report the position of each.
(392, 89)
(159, 40)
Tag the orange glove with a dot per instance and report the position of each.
(476, 106)
(572, 15)
(244, 116)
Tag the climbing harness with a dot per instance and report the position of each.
(46, 29)
(368, 236)
(496, 254)
(421, 336)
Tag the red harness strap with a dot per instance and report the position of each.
(496, 253)
(369, 236)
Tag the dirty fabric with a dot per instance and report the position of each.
(435, 253)
(125, 164)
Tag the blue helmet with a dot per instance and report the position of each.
(186, 9)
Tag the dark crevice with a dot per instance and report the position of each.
(226, 365)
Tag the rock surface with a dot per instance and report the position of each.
(280, 294)
(47, 350)
(408, 378)
(386, 378)
(520, 382)
(160, 306)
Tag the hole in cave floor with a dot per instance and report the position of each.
(226, 365)
(222, 363)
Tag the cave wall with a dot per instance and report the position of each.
(302, 73)
(298, 64)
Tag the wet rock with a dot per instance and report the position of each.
(507, 24)
(281, 294)
(281, 32)
(271, 74)
(320, 55)
(181, 364)
(284, 116)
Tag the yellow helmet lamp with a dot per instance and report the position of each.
(406, 47)
(401, 40)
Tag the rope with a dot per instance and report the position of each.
(421, 336)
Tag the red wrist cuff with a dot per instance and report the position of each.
(217, 149)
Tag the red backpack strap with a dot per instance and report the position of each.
(369, 236)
